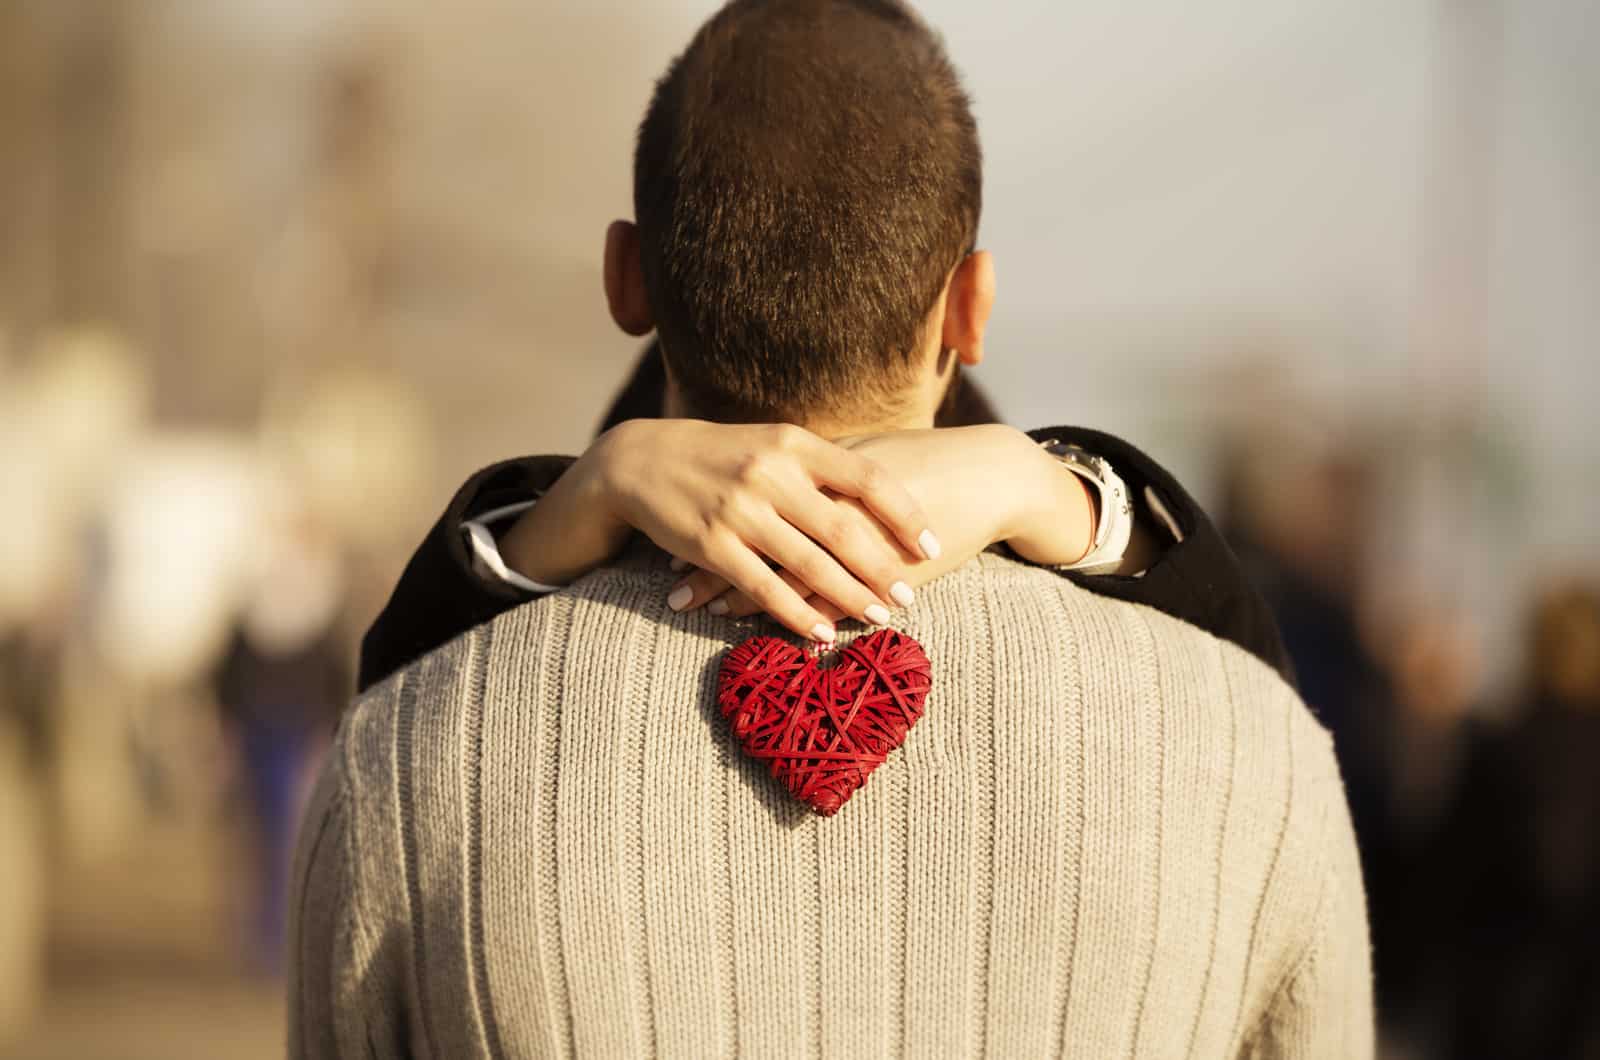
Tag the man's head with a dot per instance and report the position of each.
(807, 187)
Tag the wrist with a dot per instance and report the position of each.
(1009, 465)
(608, 482)
(575, 526)
(1013, 466)
(1055, 521)
(599, 475)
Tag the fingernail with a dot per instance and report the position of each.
(877, 614)
(678, 563)
(823, 632)
(902, 594)
(679, 598)
(930, 544)
(719, 606)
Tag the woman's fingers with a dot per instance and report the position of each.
(863, 478)
(725, 600)
(747, 572)
(833, 521)
(705, 587)
(856, 560)
(851, 536)
(738, 605)
(741, 606)
(844, 595)
(815, 568)
(827, 609)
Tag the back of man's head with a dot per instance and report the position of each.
(807, 176)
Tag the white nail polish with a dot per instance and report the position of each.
(930, 544)
(718, 607)
(877, 614)
(679, 598)
(678, 563)
(902, 594)
(823, 632)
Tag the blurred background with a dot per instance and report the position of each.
(275, 275)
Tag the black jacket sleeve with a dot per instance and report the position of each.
(439, 595)
(1197, 579)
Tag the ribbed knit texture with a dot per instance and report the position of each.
(1111, 835)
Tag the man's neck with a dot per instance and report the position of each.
(835, 428)
(913, 416)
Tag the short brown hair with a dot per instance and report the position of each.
(806, 176)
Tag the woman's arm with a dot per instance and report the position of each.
(845, 538)
(725, 497)
(1190, 574)
(1193, 576)
(1176, 562)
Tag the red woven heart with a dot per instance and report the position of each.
(823, 731)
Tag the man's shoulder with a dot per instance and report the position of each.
(1153, 637)
(631, 584)
(594, 618)
(1184, 710)
(412, 713)
(1130, 652)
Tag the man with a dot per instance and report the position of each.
(1110, 834)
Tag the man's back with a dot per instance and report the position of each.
(1110, 834)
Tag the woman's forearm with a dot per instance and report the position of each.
(572, 530)
(1056, 513)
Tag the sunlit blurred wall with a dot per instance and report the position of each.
(1395, 204)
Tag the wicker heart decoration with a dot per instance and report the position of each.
(823, 731)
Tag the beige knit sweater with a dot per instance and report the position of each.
(1110, 835)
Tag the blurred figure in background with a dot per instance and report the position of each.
(1296, 511)
(1302, 507)
(1525, 834)
(1426, 736)
(64, 413)
(282, 683)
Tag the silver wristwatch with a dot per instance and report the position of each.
(1114, 528)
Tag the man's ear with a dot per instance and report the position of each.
(625, 296)
(969, 299)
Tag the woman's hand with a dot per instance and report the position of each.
(726, 498)
(979, 485)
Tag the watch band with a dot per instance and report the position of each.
(1114, 528)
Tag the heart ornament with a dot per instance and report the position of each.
(823, 731)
